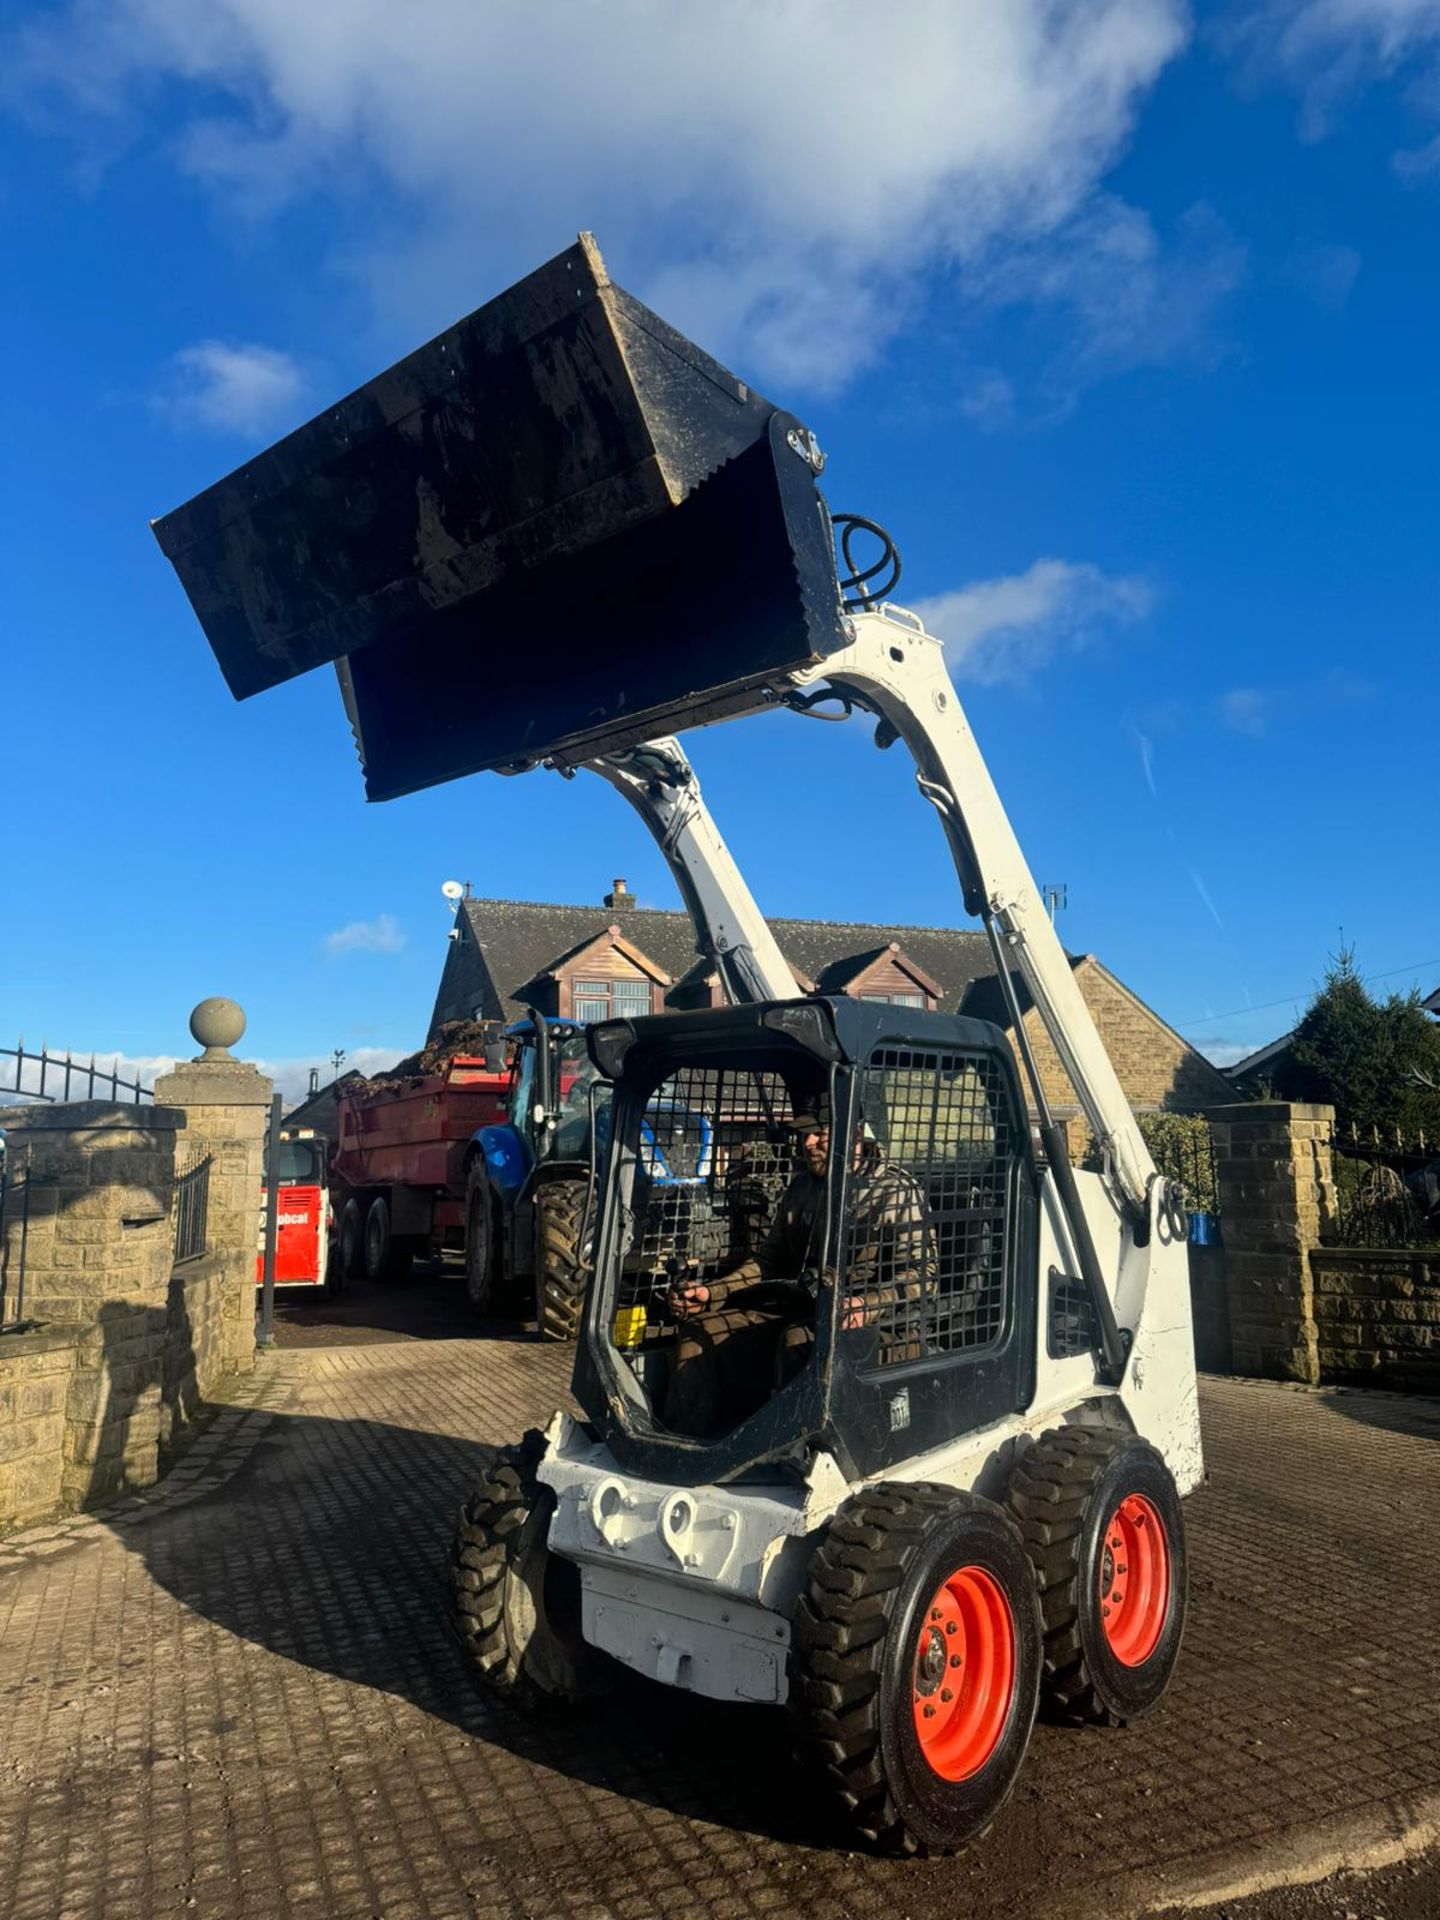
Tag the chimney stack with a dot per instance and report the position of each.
(620, 896)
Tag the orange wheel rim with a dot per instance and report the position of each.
(964, 1673)
(1134, 1580)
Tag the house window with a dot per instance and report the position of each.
(896, 999)
(611, 999)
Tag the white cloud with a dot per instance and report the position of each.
(1418, 163)
(1245, 710)
(383, 934)
(1128, 297)
(1331, 49)
(227, 387)
(989, 401)
(1224, 1053)
(292, 1077)
(776, 177)
(1003, 630)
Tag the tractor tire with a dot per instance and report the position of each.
(1103, 1528)
(482, 1245)
(352, 1239)
(514, 1604)
(559, 1273)
(915, 1665)
(386, 1256)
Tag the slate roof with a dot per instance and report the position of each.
(510, 942)
(838, 975)
(985, 1001)
(1262, 1057)
(321, 1109)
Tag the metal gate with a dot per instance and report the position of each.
(54, 1076)
(14, 1234)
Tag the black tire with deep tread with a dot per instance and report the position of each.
(1063, 1490)
(482, 1243)
(851, 1663)
(387, 1255)
(559, 1273)
(352, 1238)
(514, 1605)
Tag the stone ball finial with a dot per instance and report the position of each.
(217, 1024)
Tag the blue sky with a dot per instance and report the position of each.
(1121, 316)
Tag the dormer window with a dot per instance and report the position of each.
(897, 999)
(594, 999)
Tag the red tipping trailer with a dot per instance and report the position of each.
(399, 1167)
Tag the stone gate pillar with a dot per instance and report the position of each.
(227, 1106)
(1276, 1180)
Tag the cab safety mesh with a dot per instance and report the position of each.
(716, 1152)
(928, 1206)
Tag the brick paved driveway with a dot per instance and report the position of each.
(241, 1700)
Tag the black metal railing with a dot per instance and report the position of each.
(1183, 1149)
(192, 1207)
(54, 1076)
(1387, 1189)
(14, 1236)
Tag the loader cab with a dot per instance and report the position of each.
(302, 1240)
(909, 1223)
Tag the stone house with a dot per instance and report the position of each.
(618, 959)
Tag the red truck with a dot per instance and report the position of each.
(398, 1171)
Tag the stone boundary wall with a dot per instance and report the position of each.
(1377, 1317)
(35, 1374)
(1299, 1309)
(123, 1348)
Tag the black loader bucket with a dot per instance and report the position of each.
(557, 528)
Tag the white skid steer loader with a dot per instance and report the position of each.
(887, 1408)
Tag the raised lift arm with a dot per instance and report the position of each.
(659, 782)
(896, 670)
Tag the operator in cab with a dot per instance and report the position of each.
(745, 1334)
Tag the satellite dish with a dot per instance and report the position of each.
(452, 890)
